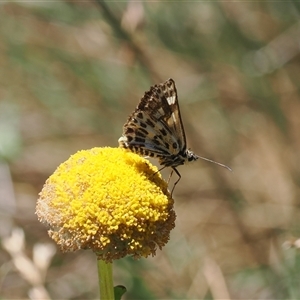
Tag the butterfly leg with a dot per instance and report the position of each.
(170, 176)
(158, 171)
(179, 177)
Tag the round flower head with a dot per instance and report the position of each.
(109, 200)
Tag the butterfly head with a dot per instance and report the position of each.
(190, 156)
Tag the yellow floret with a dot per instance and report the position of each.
(109, 200)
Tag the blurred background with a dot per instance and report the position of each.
(72, 72)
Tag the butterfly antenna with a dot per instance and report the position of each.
(212, 161)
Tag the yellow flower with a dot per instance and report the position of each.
(109, 200)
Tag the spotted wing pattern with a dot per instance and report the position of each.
(155, 128)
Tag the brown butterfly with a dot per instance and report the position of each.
(155, 129)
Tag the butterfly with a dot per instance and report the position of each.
(155, 129)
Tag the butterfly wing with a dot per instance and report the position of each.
(155, 127)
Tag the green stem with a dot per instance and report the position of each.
(105, 280)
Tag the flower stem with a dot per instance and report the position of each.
(105, 280)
